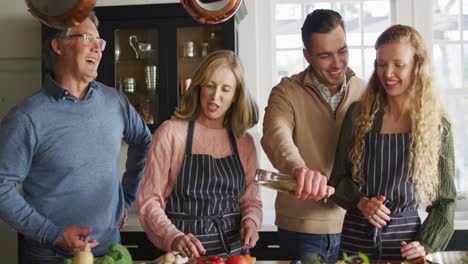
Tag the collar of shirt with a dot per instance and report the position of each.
(332, 100)
(58, 92)
(324, 91)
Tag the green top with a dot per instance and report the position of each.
(437, 229)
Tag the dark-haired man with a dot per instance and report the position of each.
(300, 133)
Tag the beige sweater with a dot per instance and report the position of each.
(301, 130)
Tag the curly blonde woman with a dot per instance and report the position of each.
(396, 154)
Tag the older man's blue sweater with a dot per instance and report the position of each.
(65, 153)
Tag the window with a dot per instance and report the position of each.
(364, 21)
(450, 58)
(442, 23)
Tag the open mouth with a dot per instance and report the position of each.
(91, 60)
(213, 107)
(336, 73)
(391, 84)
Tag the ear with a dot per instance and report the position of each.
(56, 47)
(307, 55)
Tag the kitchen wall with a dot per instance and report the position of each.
(20, 69)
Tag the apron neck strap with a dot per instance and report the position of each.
(190, 132)
(188, 146)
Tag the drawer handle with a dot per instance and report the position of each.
(131, 246)
(273, 246)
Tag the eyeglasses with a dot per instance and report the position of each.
(90, 40)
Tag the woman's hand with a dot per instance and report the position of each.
(413, 252)
(374, 210)
(249, 233)
(188, 246)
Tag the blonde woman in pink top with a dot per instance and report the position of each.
(198, 195)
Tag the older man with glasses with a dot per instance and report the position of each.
(63, 145)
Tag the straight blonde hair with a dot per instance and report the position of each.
(243, 112)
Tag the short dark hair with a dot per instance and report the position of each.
(49, 33)
(320, 21)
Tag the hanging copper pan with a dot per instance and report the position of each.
(61, 13)
(211, 11)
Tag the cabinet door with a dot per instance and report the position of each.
(136, 64)
(139, 246)
(153, 51)
(194, 43)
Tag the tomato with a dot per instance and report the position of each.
(216, 260)
(211, 260)
(246, 259)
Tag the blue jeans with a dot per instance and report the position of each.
(300, 246)
(33, 252)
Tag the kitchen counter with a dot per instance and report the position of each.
(267, 247)
(133, 223)
(286, 262)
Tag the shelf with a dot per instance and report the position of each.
(190, 59)
(139, 61)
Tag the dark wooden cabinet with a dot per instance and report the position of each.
(153, 50)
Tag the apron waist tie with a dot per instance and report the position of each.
(377, 232)
(210, 220)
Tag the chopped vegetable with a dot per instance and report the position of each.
(118, 254)
(85, 256)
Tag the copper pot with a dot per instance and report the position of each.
(61, 13)
(211, 11)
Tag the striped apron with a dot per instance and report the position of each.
(385, 166)
(206, 197)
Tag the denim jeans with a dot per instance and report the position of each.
(33, 252)
(300, 246)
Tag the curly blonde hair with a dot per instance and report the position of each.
(426, 116)
(242, 114)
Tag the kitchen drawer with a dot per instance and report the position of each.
(140, 246)
(268, 248)
(458, 241)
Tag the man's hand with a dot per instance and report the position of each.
(74, 238)
(311, 185)
(124, 219)
(374, 210)
(249, 233)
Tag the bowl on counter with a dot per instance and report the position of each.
(448, 257)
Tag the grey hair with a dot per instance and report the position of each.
(48, 54)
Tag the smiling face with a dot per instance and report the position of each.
(395, 65)
(328, 56)
(216, 97)
(76, 59)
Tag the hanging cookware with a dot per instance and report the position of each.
(211, 11)
(60, 13)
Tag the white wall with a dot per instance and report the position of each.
(20, 76)
(20, 69)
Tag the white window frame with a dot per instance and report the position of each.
(416, 13)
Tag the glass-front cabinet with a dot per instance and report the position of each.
(153, 51)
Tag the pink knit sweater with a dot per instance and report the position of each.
(162, 168)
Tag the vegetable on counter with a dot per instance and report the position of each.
(118, 254)
(85, 256)
(171, 258)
